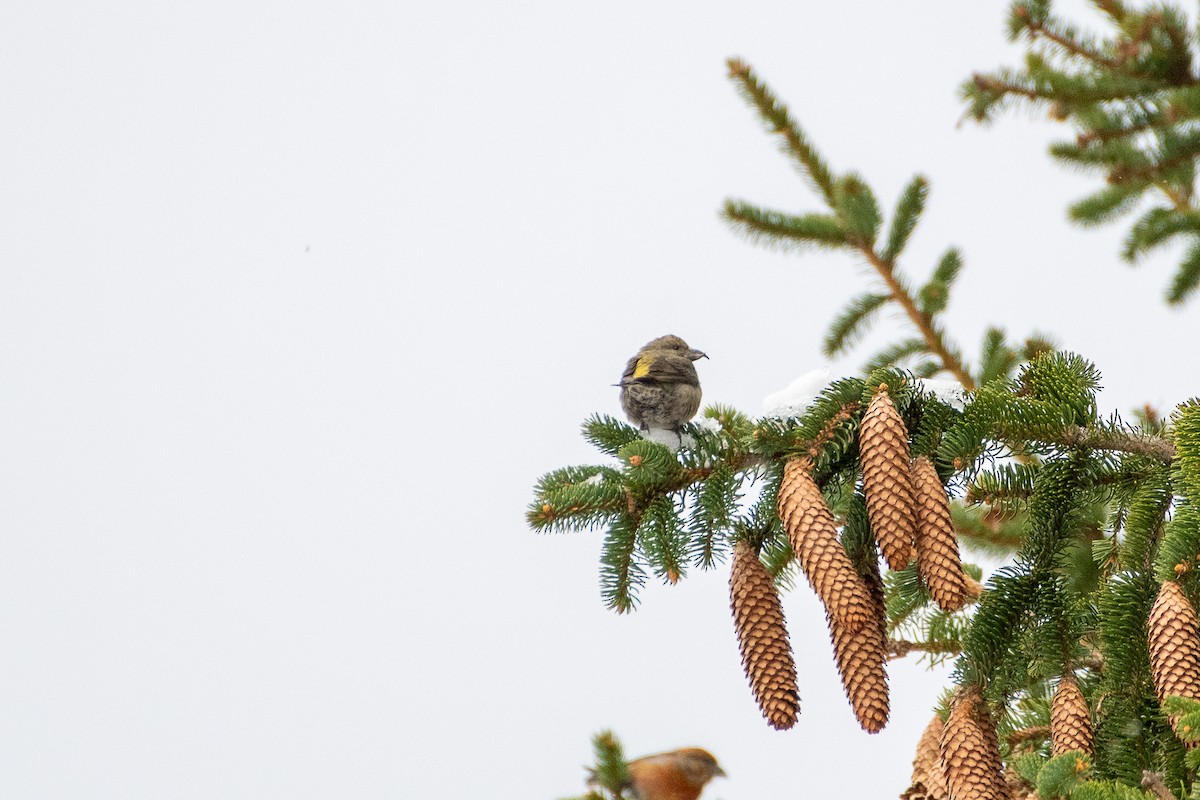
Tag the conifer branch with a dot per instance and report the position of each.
(1074, 48)
(1124, 173)
(899, 648)
(1153, 783)
(1181, 199)
(933, 337)
(776, 113)
(1031, 734)
(989, 84)
(1085, 138)
(989, 536)
(1140, 444)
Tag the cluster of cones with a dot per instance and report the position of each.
(960, 758)
(909, 516)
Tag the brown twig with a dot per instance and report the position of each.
(1075, 48)
(1030, 734)
(899, 648)
(1153, 782)
(989, 84)
(1140, 444)
(922, 322)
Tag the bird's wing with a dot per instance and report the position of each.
(671, 368)
(631, 367)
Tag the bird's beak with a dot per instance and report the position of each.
(720, 773)
(695, 355)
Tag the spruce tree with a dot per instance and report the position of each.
(1078, 660)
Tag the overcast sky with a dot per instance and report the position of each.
(297, 301)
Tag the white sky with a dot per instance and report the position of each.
(298, 300)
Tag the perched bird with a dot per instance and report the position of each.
(660, 388)
(677, 775)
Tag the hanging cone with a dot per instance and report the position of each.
(937, 546)
(763, 638)
(970, 751)
(811, 530)
(861, 656)
(928, 779)
(883, 447)
(1174, 644)
(1070, 720)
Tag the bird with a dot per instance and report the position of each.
(677, 775)
(660, 388)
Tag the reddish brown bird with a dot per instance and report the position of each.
(677, 775)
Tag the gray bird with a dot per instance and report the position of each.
(660, 388)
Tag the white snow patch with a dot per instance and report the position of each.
(708, 424)
(672, 440)
(950, 392)
(798, 396)
(595, 480)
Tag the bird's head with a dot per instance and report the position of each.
(700, 764)
(676, 345)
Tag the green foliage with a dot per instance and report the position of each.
(935, 294)
(1104, 206)
(648, 464)
(1133, 97)
(897, 354)
(988, 531)
(1028, 766)
(610, 775)
(1187, 278)
(620, 573)
(1155, 228)
(905, 217)
(1186, 422)
(1180, 546)
(857, 210)
(794, 143)
(1143, 520)
(608, 435)
(997, 359)
(852, 323)
(661, 537)
(1061, 774)
(1107, 790)
(712, 518)
(785, 231)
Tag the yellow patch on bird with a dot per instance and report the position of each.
(643, 367)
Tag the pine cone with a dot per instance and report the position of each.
(763, 638)
(1070, 720)
(861, 656)
(970, 751)
(1174, 644)
(928, 778)
(937, 546)
(883, 446)
(814, 539)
